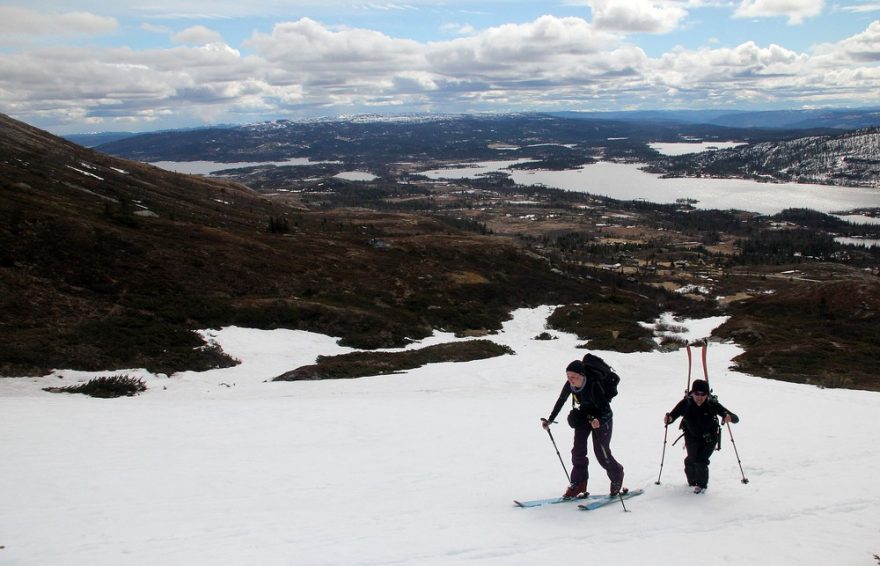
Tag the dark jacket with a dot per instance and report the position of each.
(591, 399)
(701, 421)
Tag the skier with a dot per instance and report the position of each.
(699, 412)
(593, 416)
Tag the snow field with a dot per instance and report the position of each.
(422, 467)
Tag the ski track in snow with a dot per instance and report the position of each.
(225, 467)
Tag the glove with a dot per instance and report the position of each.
(545, 424)
(667, 419)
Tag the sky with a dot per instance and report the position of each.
(78, 66)
(227, 468)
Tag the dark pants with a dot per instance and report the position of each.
(602, 450)
(696, 465)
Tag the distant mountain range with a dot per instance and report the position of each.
(836, 119)
(832, 119)
(803, 146)
(377, 143)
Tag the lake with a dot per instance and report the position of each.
(625, 181)
(208, 167)
(216, 168)
(683, 148)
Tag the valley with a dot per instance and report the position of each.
(120, 271)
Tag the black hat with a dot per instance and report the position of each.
(700, 385)
(576, 366)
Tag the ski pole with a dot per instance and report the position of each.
(663, 457)
(620, 495)
(744, 480)
(567, 477)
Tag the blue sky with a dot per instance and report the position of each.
(91, 65)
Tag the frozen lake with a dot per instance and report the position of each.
(628, 182)
(356, 176)
(683, 148)
(208, 167)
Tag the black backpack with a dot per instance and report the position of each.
(596, 368)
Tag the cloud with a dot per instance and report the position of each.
(17, 22)
(307, 46)
(518, 46)
(304, 67)
(153, 28)
(637, 16)
(863, 47)
(458, 29)
(862, 8)
(796, 10)
(198, 35)
(727, 68)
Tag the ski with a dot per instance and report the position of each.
(690, 363)
(705, 369)
(554, 500)
(606, 499)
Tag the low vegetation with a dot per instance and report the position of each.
(105, 387)
(820, 333)
(361, 364)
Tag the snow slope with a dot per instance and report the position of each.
(225, 468)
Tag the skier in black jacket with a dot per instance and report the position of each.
(593, 416)
(699, 414)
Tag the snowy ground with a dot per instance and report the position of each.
(225, 468)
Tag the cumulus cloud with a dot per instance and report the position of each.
(643, 16)
(863, 47)
(17, 22)
(305, 66)
(747, 62)
(307, 46)
(546, 40)
(796, 10)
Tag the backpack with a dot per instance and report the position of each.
(603, 373)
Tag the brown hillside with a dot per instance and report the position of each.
(107, 263)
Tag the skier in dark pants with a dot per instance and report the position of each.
(699, 422)
(593, 416)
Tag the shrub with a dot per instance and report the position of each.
(105, 387)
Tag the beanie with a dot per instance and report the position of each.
(576, 366)
(700, 385)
